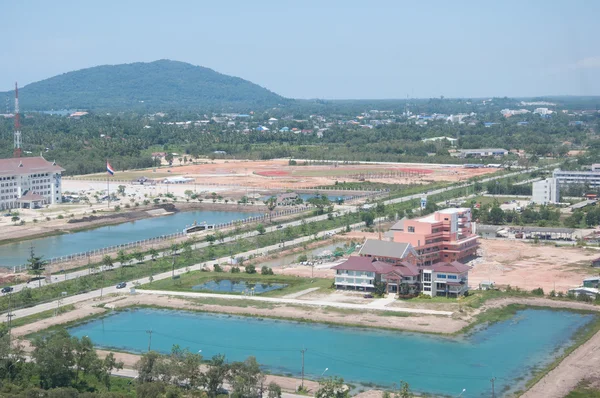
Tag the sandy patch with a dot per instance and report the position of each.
(529, 266)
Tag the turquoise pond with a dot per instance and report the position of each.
(229, 286)
(507, 350)
(97, 238)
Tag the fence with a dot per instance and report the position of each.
(162, 238)
(269, 185)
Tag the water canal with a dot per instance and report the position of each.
(507, 350)
(61, 245)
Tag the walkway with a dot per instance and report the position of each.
(301, 293)
(278, 300)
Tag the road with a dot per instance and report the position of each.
(260, 251)
(133, 374)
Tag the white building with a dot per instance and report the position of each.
(590, 178)
(29, 182)
(545, 192)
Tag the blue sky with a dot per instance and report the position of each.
(321, 49)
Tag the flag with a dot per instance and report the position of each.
(109, 169)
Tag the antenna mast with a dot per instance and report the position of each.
(17, 134)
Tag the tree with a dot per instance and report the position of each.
(139, 257)
(264, 270)
(185, 367)
(121, 190)
(220, 236)
(250, 269)
(122, 257)
(107, 261)
(260, 229)
(146, 367)
(496, 215)
(153, 254)
(271, 204)
(404, 391)
(213, 378)
(332, 387)
(246, 379)
(274, 390)
(36, 265)
(368, 218)
(320, 202)
(210, 239)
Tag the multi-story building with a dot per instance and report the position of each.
(440, 279)
(445, 235)
(545, 192)
(445, 279)
(29, 182)
(482, 153)
(589, 178)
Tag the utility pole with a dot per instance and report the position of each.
(149, 339)
(493, 379)
(302, 384)
(9, 317)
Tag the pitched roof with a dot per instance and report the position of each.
(453, 267)
(31, 165)
(399, 226)
(385, 248)
(30, 196)
(357, 263)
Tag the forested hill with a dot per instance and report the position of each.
(155, 86)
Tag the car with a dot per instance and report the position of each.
(121, 285)
(368, 296)
(279, 226)
(7, 289)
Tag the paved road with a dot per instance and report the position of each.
(60, 277)
(261, 251)
(132, 374)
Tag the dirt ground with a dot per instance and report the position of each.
(529, 266)
(278, 173)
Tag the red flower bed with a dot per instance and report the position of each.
(273, 173)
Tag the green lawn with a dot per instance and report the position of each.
(190, 279)
(584, 390)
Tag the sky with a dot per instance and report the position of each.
(376, 49)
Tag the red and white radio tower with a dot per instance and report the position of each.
(17, 150)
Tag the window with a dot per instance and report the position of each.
(411, 229)
(427, 289)
(452, 277)
(427, 277)
(441, 276)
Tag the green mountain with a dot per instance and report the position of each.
(158, 85)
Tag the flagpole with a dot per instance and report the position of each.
(108, 184)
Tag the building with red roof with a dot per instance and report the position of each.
(29, 182)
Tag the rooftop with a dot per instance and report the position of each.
(453, 267)
(30, 165)
(383, 248)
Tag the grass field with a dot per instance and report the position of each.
(188, 280)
